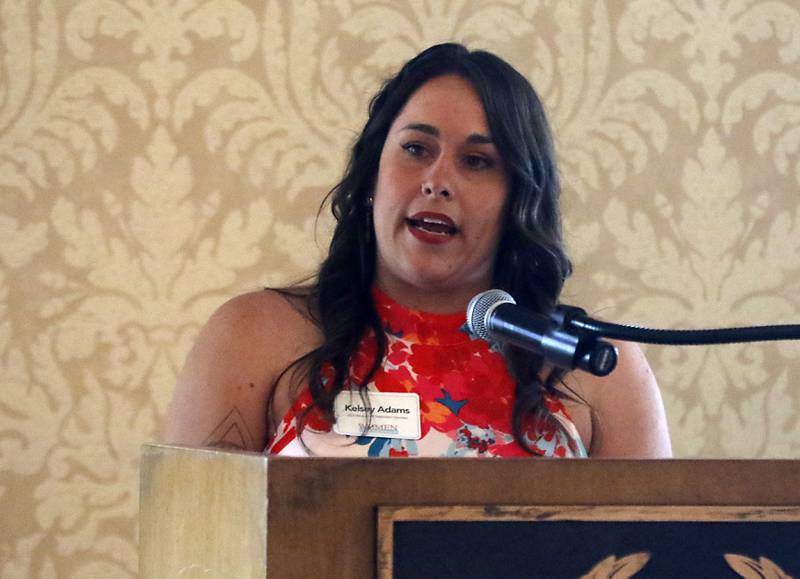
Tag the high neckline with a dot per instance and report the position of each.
(419, 326)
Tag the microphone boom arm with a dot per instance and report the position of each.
(570, 339)
(576, 318)
(574, 339)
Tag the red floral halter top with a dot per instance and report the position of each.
(465, 397)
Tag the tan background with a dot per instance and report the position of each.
(158, 157)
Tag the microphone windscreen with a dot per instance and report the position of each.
(480, 306)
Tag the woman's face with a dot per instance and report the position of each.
(439, 198)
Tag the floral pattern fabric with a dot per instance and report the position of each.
(466, 397)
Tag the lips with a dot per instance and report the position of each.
(432, 223)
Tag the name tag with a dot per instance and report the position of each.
(391, 414)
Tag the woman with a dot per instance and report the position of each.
(451, 189)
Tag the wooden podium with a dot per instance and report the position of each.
(207, 513)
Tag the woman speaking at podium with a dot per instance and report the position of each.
(451, 189)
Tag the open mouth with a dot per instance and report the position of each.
(433, 225)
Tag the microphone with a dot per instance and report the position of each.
(493, 315)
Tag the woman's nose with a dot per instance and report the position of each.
(438, 179)
(428, 189)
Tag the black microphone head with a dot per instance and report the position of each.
(481, 306)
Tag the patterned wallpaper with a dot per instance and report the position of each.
(160, 156)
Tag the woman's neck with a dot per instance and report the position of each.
(431, 300)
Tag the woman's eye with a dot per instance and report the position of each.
(477, 162)
(414, 149)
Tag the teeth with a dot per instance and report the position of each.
(433, 225)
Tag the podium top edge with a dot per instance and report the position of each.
(159, 448)
(150, 448)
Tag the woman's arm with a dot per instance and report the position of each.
(628, 418)
(222, 393)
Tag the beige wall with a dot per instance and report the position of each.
(158, 157)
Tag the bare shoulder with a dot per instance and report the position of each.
(260, 319)
(257, 333)
(224, 388)
(628, 417)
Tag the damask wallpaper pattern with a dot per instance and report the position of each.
(160, 156)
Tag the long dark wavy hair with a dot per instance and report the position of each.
(531, 263)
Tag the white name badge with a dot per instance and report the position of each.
(391, 414)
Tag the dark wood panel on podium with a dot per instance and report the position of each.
(217, 514)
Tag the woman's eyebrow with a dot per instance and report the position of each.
(480, 139)
(475, 138)
(423, 128)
